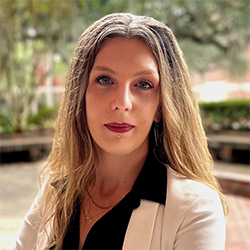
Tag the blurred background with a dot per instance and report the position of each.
(37, 42)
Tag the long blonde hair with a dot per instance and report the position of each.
(73, 158)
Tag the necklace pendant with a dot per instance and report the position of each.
(88, 219)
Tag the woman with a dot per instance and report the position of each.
(129, 166)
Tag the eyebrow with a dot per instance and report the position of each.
(100, 68)
(141, 73)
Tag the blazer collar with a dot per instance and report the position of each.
(141, 226)
(152, 185)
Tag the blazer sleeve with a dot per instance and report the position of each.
(203, 227)
(27, 236)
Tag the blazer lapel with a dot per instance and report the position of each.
(141, 226)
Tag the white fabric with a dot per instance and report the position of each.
(192, 219)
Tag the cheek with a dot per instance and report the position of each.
(152, 108)
(90, 108)
(91, 100)
(94, 98)
(147, 116)
(95, 109)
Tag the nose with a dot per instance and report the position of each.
(122, 99)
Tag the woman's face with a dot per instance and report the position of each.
(122, 97)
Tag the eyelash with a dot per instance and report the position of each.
(100, 79)
(149, 85)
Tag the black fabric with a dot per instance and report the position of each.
(152, 181)
(109, 231)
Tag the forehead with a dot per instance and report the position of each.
(118, 51)
(117, 43)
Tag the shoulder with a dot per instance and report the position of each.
(27, 236)
(193, 215)
(183, 192)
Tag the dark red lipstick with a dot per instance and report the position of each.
(119, 127)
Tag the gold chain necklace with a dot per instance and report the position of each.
(89, 218)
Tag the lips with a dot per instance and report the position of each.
(119, 127)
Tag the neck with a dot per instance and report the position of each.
(115, 175)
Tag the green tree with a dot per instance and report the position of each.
(210, 33)
(25, 40)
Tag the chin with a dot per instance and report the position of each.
(119, 152)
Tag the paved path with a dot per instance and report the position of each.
(238, 223)
(19, 186)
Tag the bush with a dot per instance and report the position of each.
(5, 125)
(234, 114)
(45, 118)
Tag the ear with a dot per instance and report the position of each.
(158, 114)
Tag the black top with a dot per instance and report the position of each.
(109, 231)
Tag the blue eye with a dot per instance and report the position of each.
(103, 80)
(145, 85)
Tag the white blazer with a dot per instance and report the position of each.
(192, 219)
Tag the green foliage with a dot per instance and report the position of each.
(209, 33)
(30, 34)
(45, 118)
(212, 30)
(60, 67)
(233, 114)
(5, 124)
(18, 83)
